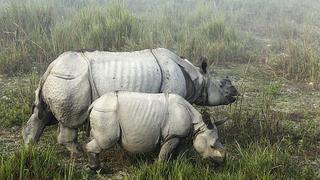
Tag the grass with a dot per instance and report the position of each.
(35, 163)
(257, 161)
(274, 132)
(16, 101)
(262, 143)
(277, 34)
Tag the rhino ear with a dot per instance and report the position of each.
(204, 64)
(220, 122)
(207, 120)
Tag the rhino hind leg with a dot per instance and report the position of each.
(167, 148)
(68, 100)
(34, 128)
(105, 132)
(36, 124)
(68, 138)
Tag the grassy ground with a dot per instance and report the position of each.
(269, 49)
(273, 134)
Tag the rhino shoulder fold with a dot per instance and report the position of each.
(193, 77)
(173, 80)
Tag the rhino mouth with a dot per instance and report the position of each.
(232, 99)
(233, 96)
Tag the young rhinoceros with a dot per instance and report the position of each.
(141, 121)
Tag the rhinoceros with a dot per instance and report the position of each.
(76, 78)
(140, 122)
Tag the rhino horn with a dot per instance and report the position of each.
(221, 121)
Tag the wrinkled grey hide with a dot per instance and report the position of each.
(140, 122)
(75, 79)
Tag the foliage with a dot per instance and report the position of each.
(16, 101)
(263, 143)
(256, 161)
(35, 163)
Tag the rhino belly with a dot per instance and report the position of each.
(136, 71)
(140, 117)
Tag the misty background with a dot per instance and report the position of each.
(270, 49)
(282, 34)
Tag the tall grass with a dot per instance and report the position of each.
(33, 33)
(17, 99)
(35, 163)
(32, 36)
(256, 161)
(261, 141)
(298, 61)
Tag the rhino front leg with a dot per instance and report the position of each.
(68, 137)
(167, 148)
(93, 150)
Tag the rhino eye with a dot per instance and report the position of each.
(212, 146)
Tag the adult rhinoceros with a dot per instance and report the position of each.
(75, 79)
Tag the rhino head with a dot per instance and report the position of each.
(216, 92)
(207, 143)
(220, 92)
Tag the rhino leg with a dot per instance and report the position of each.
(39, 119)
(93, 150)
(34, 128)
(167, 148)
(68, 137)
(105, 130)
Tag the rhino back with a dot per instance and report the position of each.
(129, 71)
(141, 117)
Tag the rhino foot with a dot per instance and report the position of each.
(94, 163)
(68, 138)
(74, 148)
(33, 129)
